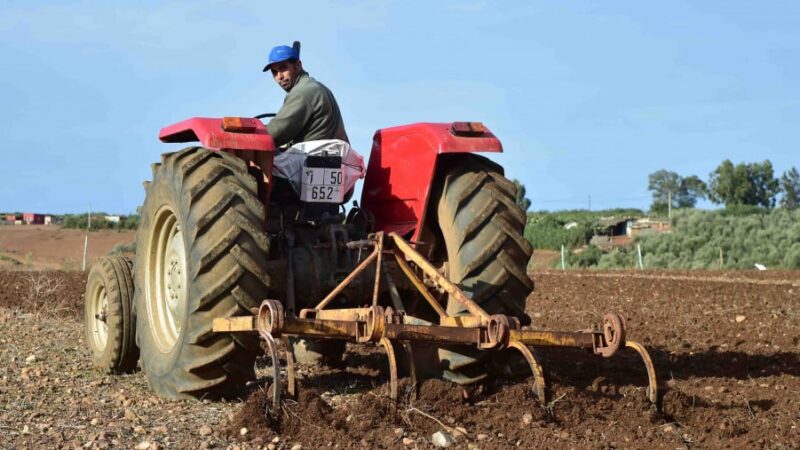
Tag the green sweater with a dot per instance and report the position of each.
(309, 113)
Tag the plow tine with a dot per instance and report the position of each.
(390, 353)
(652, 386)
(536, 367)
(272, 351)
(291, 381)
(412, 369)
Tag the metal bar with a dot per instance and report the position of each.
(438, 278)
(350, 277)
(432, 333)
(420, 286)
(311, 328)
(378, 267)
(545, 338)
(234, 324)
(397, 302)
(290, 300)
(348, 314)
(460, 321)
(291, 380)
(353, 245)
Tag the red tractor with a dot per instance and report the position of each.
(219, 233)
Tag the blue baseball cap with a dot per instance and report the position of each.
(281, 53)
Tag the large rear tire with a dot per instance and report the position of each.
(201, 254)
(109, 322)
(486, 253)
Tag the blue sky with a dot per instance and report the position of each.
(588, 97)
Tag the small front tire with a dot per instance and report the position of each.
(110, 323)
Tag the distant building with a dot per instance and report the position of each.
(648, 226)
(613, 226)
(32, 219)
(113, 219)
(11, 219)
(606, 243)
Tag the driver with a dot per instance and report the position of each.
(309, 111)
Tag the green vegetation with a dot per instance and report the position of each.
(771, 238)
(790, 185)
(588, 257)
(8, 259)
(744, 184)
(123, 248)
(752, 184)
(547, 230)
(668, 186)
(522, 201)
(99, 222)
(745, 234)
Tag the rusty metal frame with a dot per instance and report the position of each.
(387, 327)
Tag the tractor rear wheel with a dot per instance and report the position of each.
(109, 322)
(201, 254)
(485, 251)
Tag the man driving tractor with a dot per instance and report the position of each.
(309, 111)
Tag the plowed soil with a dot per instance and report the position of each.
(726, 346)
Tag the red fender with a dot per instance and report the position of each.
(253, 134)
(401, 171)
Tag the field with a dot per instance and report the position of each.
(51, 247)
(725, 345)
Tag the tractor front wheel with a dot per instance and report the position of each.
(109, 322)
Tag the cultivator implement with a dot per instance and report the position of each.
(391, 327)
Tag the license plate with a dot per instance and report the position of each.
(321, 185)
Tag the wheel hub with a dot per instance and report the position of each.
(99, 311)
(174, 277)
(166, 281)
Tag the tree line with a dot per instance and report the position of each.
(741, 185)
(99, 222)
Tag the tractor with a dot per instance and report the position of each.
(242, 246)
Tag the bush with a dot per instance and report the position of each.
(588, 257)
(546, 230)
(743, 210)
(549, 232)
(123, 248)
